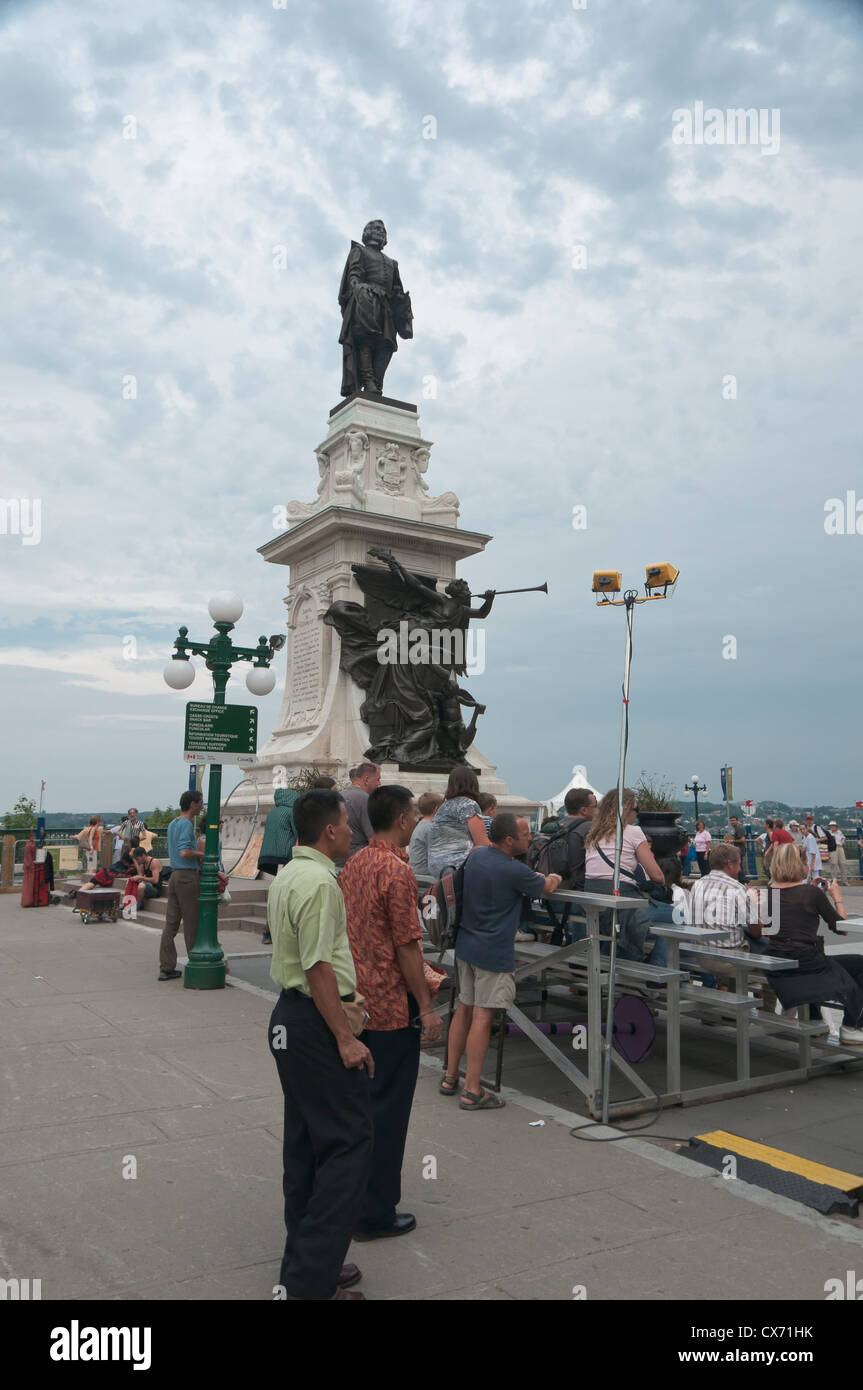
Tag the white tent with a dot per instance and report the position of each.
(579, 780)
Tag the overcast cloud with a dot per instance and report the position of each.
(254, 127)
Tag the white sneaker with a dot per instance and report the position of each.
(529, 936)
(851, 1035)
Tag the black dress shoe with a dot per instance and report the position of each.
(345, 1294)
(170, 975)
(403, 1223)
(348, 1275)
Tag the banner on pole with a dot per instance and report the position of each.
(726, 774)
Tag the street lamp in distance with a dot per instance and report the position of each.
(695, 786)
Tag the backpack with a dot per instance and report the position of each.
(104, 877)
(534, 850)
(831, 842)
(442, 908)
(551, 854)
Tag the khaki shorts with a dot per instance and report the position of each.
(488, 989)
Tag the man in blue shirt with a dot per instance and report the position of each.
(495, 886)
(184, 885)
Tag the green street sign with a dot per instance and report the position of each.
(220, 733)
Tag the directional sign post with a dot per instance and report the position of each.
(217, 733)
(220, 733)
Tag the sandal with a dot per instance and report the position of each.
(449, 1086)
(484, 1100)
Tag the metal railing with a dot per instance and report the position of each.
(56, 840)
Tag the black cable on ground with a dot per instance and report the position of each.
(581, 1131)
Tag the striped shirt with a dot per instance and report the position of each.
(720, 901)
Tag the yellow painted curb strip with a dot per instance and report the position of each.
(776, 1158)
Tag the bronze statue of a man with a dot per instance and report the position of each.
(375, 308)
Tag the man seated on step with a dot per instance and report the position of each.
(495, 886)
(144, 882)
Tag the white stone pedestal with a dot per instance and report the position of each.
(372, 492)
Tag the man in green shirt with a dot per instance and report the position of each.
(323, 1068)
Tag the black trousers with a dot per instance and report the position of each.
(397, 1061)
(327, 1146)
(702, 863)
(821, 979)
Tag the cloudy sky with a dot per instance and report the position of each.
(694, 385)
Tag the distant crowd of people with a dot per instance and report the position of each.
(128, 835)
(143, 876)
(131, 859)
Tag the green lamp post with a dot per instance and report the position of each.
(206, 967)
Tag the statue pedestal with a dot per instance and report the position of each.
(372, 492)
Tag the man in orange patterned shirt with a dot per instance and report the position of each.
(384, 931)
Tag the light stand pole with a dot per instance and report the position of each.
(658, 577)
(695, 787)
(630, 598)
(727, 788)
(206, 967)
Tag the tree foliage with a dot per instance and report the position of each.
(22, 816)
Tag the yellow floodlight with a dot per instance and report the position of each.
(606, 582)
(662, 577)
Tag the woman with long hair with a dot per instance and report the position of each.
(635, 942)
(458, 824)
(796, 908)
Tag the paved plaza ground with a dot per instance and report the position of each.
(102, 1064)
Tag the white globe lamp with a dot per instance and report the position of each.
(226, 607)
(260, 680)
(179, 674)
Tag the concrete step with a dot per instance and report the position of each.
(248, 890)
(247, 910)
(253, 925)
(228, 912)
(252, 897)
(243, 909)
